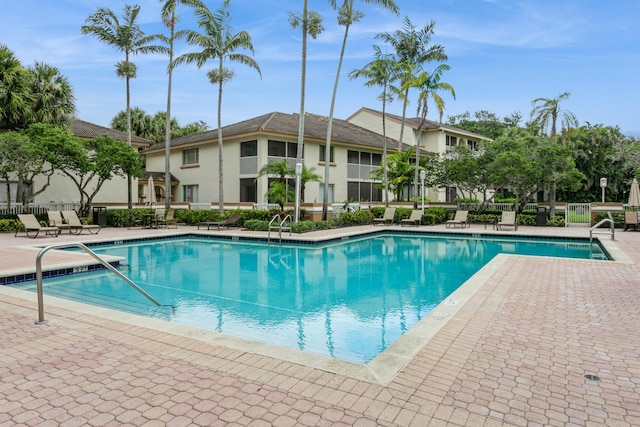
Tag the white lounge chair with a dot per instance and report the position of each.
(55, 220)
(389, 215)
(414, 219)
(508, 220)
(460, 218)
(77, 226)
(30, 225)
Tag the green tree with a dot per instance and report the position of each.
(96, 162)
(280, 193)
(52, 96)
(126, 37)
(15, 96)
(545, 115)
(218, 43)
(311, 23)
(400, 172)
(466, 169)
(12, 157)
(346, 17)
(138, 121)
(382, 71)
(413, 49)
(429, 85)
(170, 18)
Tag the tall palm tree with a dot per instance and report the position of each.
(53, 100)
(169, 18)
(346, 16)
(545, 114)
(413, 49)
(382, 71)
(218, 43)
(546, 111)
(310, 23)
(15, 96)
(127, 37)
(429, 85)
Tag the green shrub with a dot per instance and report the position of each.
(256, 225)
(440, 214)
(360, 217)
(556, 221)
(8, 225)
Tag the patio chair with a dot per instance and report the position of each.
(30, 225)
(460, 218)
(77, 226)
(55, 220)
(168, 220)
(508, 220)
(631, 220)
(389, 215)
(232, 221)
(414, 219)
(134, 221)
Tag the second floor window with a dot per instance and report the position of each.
(452, 141)
(473, 145)
(249, 148)
(190, 156)
(323, 154)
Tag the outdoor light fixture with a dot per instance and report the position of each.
(423, 175)
(603, 185)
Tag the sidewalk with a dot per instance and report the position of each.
(516, 353)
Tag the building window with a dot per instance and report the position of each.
(248, 190)
(190, 156)
(452, 194)
(190, 193)
(323, 154)
(353, 157)
(376, 159)
(282, 149)
(451, 141)
(364, 191)
(249, 148)
(330, 195)
(473, 145)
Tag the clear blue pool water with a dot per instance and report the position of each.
(348, 300)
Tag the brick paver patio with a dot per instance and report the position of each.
(515, 353)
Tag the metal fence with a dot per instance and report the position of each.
(39, 208)
(577, 214)
(502, 207)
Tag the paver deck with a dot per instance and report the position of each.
(515, 353)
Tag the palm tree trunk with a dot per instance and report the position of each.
(167, 129)
(129, 183)
(385, 183)
(220, 148)
(299, 160)
(325, 198)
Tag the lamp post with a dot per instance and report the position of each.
(603, 185)
(422, 177)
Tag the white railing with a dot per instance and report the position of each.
(577, 214)
(200, 206)
(39, 208)
(265, 206)
(501, 207)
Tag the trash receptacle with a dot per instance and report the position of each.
(100, 216)
(541, 216)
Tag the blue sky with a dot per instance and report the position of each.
(502, 53)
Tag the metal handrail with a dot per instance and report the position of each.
(280, 226)
(611, 231)
(95, 256)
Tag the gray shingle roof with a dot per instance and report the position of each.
(315, 128)
(83, 129)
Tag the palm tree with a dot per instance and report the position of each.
(169, 18)
(413, 49)
(15, 97)
(545, 114)
(428, 84)
(546, 111)
(218, 42)
(310, 23)
(381, 72)
(127, 37)
(279, 168)
(307, 175)
(346, 16)
(53, 100)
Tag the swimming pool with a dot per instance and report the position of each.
(348, 300)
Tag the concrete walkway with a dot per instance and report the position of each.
(524, 348)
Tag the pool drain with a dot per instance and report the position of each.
(591, 377)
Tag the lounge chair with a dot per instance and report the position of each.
(460, 218)
(508, 220)
(414, 219)
(168, 220)
(389, 215)
(77, 226)
(30, 225)
(232, 221)
(55, 220)
(631, 220)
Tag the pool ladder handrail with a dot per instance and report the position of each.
(110, 267)
(611, 230)
(279, 226)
